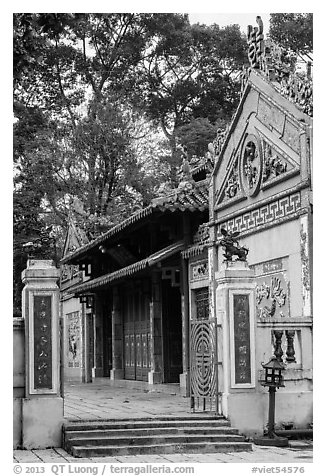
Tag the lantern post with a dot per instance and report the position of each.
(273, 380)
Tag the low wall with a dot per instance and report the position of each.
(18, 378)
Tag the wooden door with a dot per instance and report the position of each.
(136, 335)
(172, 332)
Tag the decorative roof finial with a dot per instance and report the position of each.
(255, 39)
(186, 179)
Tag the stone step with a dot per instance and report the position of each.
(141, 423)
(170, 430)
(142, 440)
(193, 434)
(204, 447)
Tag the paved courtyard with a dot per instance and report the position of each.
(102, 400)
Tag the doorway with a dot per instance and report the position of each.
(172, 331)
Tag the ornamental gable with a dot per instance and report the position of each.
(265, 151)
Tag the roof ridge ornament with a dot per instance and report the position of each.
(255, 40)
(215, 147)
(186, 181)
(278, 65)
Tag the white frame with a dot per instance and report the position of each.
(250, 293)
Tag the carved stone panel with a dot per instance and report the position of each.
(199, 271)
(305, 267)
(291, 136)
(272, 290)
(42, 342)
(270, 115)
(74, 339)
(232, 187)
(274, 164)
(241, 331)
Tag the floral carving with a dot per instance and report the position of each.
(273, 292)
(304, 259)
(233, 183)
(299, 91)
(200, 271)
(262, 292)
(273, 164)
(251, 166)
(215, 147)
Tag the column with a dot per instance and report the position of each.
(42, 409)
(156, 332)
(235, 311)
(184, 377)
(184, 289)
(117, 371)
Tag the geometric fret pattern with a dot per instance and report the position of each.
(266, 214)
(203, 381)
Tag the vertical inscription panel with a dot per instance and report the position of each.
(42, 342)
(242, 340)
(43, 336)
(241, 328)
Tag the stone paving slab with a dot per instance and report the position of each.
(103, 400)
(258, 455)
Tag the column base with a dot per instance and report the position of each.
(155, 377)
(116, 374)
(42, 419)
(184, 384)
(97, 372)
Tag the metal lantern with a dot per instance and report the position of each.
(273, 380)
(273, 373)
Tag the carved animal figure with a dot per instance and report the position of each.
(231, 246)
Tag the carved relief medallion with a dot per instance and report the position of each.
(251, 165)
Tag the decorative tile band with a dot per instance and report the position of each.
(269, 213)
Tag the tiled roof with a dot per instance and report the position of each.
(188, 196)
(128, 270)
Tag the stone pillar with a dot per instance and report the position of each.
(185, 309)
(42, 409)
(184, 377)
(117, 371)
(235, 312)
(156, 348)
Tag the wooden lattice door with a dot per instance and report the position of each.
(136, 335)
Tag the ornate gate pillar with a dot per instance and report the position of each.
(155, 375)
(117, 371)
(235, 313)
(42, 409)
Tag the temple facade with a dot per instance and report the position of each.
(125, 294)
(161, 298)
(261, 193)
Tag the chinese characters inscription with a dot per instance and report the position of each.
(42, 342)
(242, 339)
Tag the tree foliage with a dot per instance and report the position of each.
(92, 93)
(191, 73)
(293, 31)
